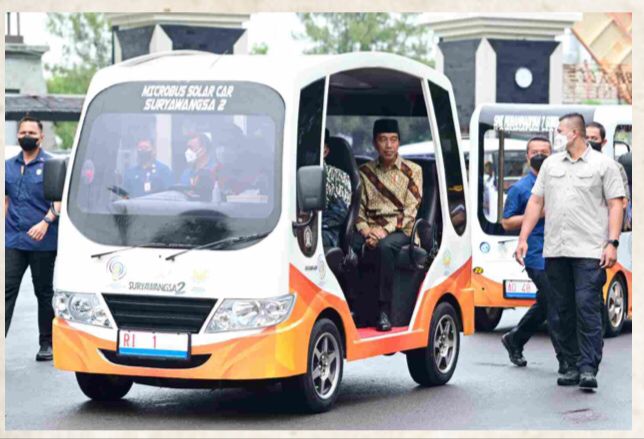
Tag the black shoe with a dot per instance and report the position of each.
(45, 353)
(587, 381)
(570, 378)
(383, 322)
(563, 367)
(516, 355)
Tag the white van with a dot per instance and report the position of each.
(183, 287)
(498, 137)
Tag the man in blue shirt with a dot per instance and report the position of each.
(149, 175)
(537, 150)
(31, 230)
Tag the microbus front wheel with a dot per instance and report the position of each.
(435, 364)
(104, 387)
(317, 390)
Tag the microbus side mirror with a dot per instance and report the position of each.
(311, 188)
(54, 178)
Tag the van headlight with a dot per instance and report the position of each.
(80, 308)
(236, 314)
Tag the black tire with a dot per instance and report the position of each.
(424, 364)
(614, 309)
(487, 319)
(306, 392)
(104, 387)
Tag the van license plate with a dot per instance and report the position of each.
(154, 344)
(519, 289)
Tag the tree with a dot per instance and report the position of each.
(259, 49)
(341, 33)
(87, 48)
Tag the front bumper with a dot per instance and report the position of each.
(262, 354)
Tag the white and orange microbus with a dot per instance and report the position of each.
(208, 268)
(498, 140)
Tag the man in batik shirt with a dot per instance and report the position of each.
(338, 200)
(391, 195)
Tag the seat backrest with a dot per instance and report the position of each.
(429, 208)
(341, 156)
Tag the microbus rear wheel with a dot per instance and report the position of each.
(317, 390)
(487, 319)
(435, 364)
(615, 308)
(104, 387)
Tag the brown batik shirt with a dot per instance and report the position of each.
(390, 196)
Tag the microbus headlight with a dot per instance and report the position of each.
(81, 308)
(235, 314)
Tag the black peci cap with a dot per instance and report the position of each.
(385, 126)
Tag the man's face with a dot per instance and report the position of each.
(387, 145)
(144, 146)
(594, 135)
(145, 151)
(326, 150)
(30, 129)
(567, 130)
(195, 145)
(538, 147)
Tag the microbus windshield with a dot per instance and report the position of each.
(178, 164)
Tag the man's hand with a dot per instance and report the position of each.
(37, 232)
(521, 251)
(609, 257)
(371, 242)
(378, 233)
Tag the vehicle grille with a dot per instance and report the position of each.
(156, 313)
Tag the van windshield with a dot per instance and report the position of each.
(178, 163)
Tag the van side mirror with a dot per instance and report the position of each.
(311, 188)
(54, 174)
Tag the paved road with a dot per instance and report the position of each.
(486, 392)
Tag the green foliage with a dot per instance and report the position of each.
(341, 33)
(87, 48)
(259, 49)
(393, 33)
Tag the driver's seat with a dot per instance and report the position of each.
(343, 259)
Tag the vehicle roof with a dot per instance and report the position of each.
(618, 114)
(280, 72)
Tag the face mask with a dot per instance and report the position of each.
(597, 146)
(561, 141)
(144, 157)
(537, 160)
(191, 156)
(28, 143)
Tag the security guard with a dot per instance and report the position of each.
(149, 175)
(31, 230)
(582, 192)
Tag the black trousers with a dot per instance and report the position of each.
(384, 257)
(578, 283)
(42, 274)
(542, 310)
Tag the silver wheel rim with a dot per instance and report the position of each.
(325, 365)
(445, 344)
(615, 303)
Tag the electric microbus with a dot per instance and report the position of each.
(184, 289)
(498, 141)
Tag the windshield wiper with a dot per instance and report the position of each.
(220, 243)
(148, 245)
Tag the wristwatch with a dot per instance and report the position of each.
(613, 242)
(47, 220)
